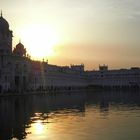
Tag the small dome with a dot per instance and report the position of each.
(19, 45)
(3, 24)
(19, 50)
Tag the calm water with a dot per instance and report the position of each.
(74, 116)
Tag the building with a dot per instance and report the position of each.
(14, 65)
(115, 78)
(47, 76)
(19, 73)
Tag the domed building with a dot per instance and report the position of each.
(19, 73)
(14, 66)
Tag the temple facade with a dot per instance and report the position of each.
(19, 73)
(14, 64)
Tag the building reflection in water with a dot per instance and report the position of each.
(21, 116)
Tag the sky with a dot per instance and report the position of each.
(68, 32)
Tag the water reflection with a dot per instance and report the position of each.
(42, 116)
(19, 113)
(37, 127)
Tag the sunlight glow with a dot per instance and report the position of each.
(40, 40)
(38, 127)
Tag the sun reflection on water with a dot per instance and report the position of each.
(49, 125)
(95, 116)
(38, 127)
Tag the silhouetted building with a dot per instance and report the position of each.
(18, 72)
(14, 66)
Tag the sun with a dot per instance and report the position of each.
(40, 40)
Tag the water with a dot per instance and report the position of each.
(79, 115)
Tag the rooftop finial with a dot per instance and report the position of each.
(19, 40)
(1, 13)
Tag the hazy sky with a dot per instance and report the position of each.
(92, 32)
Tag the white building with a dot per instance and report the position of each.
(14, 65)
(19, 73)
(115, 78)
(46, 76)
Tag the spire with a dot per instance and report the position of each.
(19, 40)
(1, 13)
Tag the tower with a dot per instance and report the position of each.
(5, 37)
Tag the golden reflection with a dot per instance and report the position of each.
(38, 127)
(53, 125)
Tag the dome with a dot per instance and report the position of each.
(19, 50)
(3, 24)
(19, 46)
